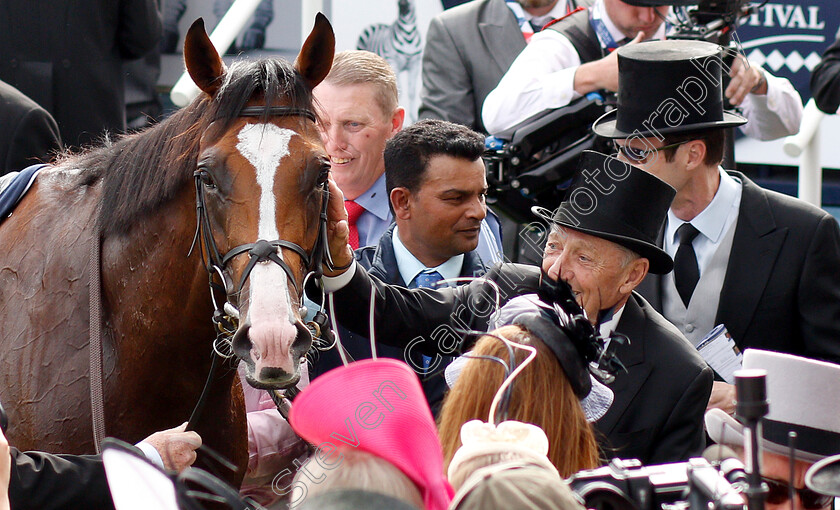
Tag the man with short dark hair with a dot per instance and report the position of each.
(436, 183)
(575, 56)
(763, 264)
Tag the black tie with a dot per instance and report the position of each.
(686, 272)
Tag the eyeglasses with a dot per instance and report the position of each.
(779, 494)
(641, 156)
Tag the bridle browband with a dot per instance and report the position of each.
(226, 318)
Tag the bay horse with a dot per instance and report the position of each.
(248, 153)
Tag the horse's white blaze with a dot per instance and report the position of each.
(264, 145)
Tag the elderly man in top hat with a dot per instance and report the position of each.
(763, 264)
(603, 243)
(797, 390)
(575, 56)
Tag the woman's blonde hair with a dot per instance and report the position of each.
(541, 395)
(359, 470)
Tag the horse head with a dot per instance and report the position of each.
(260, 187)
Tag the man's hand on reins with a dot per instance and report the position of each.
(176, 447)
(338, 232)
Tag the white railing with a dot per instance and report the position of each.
(806, 146)
(228, 28)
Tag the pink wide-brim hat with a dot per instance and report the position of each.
(377, 406)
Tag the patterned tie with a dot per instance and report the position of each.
(354, 210)
(423, 280)
(686, 271)
(426, 279)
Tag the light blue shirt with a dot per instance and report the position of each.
(712, 222)
(410, 267)
(376, 218)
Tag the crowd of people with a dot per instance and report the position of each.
(460, 379)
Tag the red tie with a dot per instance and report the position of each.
(354, 210)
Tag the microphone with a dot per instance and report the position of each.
(730, 466)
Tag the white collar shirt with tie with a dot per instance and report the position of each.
(409, 266)
(712, 222)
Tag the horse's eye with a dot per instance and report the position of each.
(206, 180)
(324, 172)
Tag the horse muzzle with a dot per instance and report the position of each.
(269, 367)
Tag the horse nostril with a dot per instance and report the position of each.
(303, 339)
(242, 343)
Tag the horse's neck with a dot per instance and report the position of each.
(150, 287)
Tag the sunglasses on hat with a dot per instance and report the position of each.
(780, 493)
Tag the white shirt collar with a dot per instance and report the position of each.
(410, 267)
(606, 328)
(558, 11)
(712, 219)
(599, 11)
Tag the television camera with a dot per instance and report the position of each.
(627, 485)
(533, 165)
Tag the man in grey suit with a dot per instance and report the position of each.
(470, 47)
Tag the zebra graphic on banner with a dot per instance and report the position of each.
(399, 43)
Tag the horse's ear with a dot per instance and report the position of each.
(316, 55)
(202, 60)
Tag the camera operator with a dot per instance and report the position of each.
(803, 394)
(602, 248)
(574, 56)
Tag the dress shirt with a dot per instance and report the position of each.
(558, 11)
(376, 217)
(712, 222)
(542, 78)
(410, 267)
(607, 327)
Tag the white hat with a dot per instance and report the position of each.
(478, 438)
(804, 397)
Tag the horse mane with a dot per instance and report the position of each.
(140, 172)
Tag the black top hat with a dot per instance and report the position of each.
(618, 202)
(668, 87)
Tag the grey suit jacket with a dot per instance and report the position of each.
(468, 50)
(781, 291)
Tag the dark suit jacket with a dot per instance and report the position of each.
(657, 415)
(825, 80)
(781, 291)
(28, 134)
(43, 481)
(468, 50)
(381, 262)
(67, 56)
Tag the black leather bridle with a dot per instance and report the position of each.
(226, 318)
